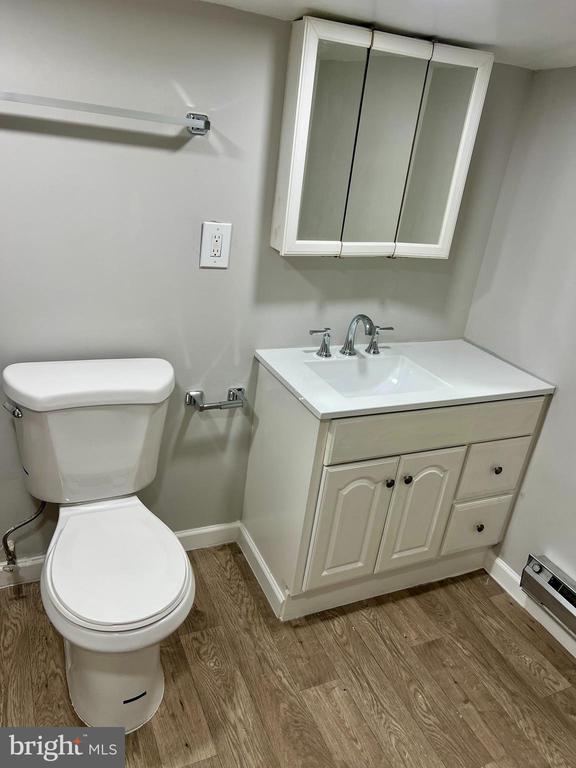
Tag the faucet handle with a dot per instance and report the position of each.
(324, 350)
(372, 348)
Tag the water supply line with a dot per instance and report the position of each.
(9, 546)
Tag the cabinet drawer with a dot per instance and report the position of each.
(476, 524)
(391, 434)
(493, 467)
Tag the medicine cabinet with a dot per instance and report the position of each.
(377, 135)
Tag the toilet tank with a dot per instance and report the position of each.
(90, 429)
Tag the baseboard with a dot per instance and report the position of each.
(276, 597)
(380, 584)
(509, 580)
(208, 536)
(30, 568)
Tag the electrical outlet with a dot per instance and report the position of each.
(215, 246)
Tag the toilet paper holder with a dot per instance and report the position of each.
(236, 399)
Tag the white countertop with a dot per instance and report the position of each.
(458, 372)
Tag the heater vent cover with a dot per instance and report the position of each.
(552, 588)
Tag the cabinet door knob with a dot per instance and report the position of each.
(408, 479)
(390, 483)
(480, 527)
(498, 470)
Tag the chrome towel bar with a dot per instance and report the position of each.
(197, 124)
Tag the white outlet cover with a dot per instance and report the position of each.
(215, 245)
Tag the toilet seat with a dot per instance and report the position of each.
(114, 566)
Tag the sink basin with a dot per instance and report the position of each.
(382, 375)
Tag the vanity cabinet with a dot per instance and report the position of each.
(377, 135)
(341, 509)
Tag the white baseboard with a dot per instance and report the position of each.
(380, 584)
(208, 536)
(509, 580)
(287, 607)
(276, 597)
(30, 568)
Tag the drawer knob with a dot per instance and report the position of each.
(390, 483)
(498, 470)
(480, 527)
(408, 479)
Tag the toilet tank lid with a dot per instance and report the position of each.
(80, 383)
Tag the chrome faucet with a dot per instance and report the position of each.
(348, 348)
(370, 330)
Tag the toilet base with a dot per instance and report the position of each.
(120, 689)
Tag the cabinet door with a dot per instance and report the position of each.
(393, 90)
(420, 507)
(453, 98)
(324, 87)
(351, 512)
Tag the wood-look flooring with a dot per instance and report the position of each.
(453, 675)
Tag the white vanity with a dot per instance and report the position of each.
(373, 473)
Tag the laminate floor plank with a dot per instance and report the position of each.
(508, 688)
(348, 736)
(449, 675)
(498, 733)
(141, 749)
(16, 684)
(286, 718)
(210, 762)
(399, 736)
(236, 727)
(534, 668)
(404, 614)
(52, 705)
(437, 717)
(564, 706)
(305, 658)
(536, 635)
(203, 614)
(180, 727)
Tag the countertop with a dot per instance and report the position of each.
(460, 373)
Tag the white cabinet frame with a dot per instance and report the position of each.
(298, 100)
(482, 62)
(298, 104)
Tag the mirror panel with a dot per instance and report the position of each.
(443, 114)
(336, 101)
(393, 91)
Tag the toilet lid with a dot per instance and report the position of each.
(116, 566)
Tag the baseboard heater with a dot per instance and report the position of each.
(552, 588)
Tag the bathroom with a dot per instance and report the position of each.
(100, 260)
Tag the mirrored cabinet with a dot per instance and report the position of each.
(377, 135)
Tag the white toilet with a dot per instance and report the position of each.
(116, 580)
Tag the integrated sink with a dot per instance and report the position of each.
(404, 376)
(381, 375)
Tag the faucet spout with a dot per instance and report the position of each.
(348, 349)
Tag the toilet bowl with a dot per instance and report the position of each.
(116, 581)
(112, 634)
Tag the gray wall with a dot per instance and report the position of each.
(101, 225)
(524, 307)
